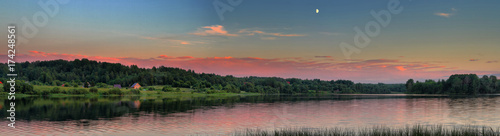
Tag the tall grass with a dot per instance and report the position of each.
(416, 130)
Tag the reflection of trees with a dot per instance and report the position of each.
(76, 108)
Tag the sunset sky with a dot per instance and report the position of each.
(284, 38)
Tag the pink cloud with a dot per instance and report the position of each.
(213, 30)
(401, 68)
(165, 57)
(443, 14)
(375, 70)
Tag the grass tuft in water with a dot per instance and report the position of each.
(416, 130)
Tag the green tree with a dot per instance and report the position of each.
(409, 85)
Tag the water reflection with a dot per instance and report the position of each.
(221, 115)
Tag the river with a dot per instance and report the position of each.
(223, 115)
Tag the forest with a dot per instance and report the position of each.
(89, 73)
(469, 84)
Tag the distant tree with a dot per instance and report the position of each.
(231, 88)
(409, 85)
(486, 85)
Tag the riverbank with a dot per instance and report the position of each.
(415, 130)
(56, 91)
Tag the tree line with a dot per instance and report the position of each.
(86, 72)
(469, 84)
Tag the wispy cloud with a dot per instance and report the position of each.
(254, 32)
(214, 30)
(443, 14)
(473, 59)
(373, 70)
(492, 61)
(447, 15)
(323, 56)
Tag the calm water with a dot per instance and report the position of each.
(221, 116)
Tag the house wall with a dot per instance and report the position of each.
(137, 86)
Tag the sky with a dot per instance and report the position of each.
(347, 39)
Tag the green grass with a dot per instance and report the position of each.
(416, 130)
(65, 91)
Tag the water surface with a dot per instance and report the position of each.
(221, 116)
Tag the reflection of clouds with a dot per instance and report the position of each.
(473, 110)
(345, 111)
(282, 116)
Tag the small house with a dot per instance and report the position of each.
(135, 86)
(117, 86)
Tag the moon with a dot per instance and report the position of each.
(317, 11)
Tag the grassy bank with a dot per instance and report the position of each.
(58, 91)
(416, 130)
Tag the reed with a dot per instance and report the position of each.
(415, 130)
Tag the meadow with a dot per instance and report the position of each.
(59, 91)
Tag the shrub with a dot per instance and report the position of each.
(178, 89)
(93, 90)
(151, 88)
(20, 86)
(55, 90)
(210, 91)
(102, 92)
(134, 91)
(45, 92)
(101, 85)
(167, 89)
(115, 91)
(78, 91)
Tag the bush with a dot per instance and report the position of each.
(93, 90)
(134, 91)
(45, 92)
(115, 91)
(101, 85)
(78, 91)
(55, 90)
(151, 88)
(20, 86)
(210, 91)
(178, 89)
(167, 89)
